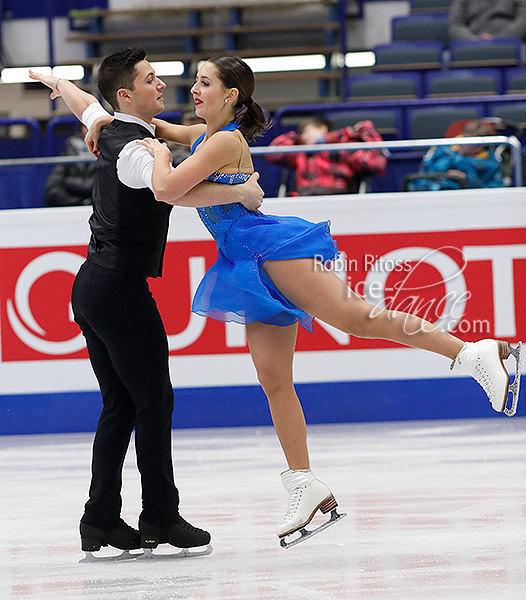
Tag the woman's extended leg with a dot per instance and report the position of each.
(322, 294)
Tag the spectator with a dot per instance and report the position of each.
(70, 184)
(473, 165)
(329, 172)
(487, 19)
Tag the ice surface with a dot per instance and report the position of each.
(435, 510)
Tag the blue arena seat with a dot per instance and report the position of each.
(405, 56)
(511, 112)
(19, 138)
(385, 86)
(58, 130)
(388, 122)
(463, 82)
(498, 52)
(419, 28)
(433, 121)
(515, 81)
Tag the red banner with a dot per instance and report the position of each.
(471, 282)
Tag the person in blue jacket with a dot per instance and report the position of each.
(473, 165)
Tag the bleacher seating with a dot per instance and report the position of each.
(515, 81)
(406, 56)
(19, 138)
(193, 31)
(463, 82)
(427, 7)
(419, 84)
(513, 113)
(398, 85)
(420, 28)
(502, 52)
(388, 123)
(433, 121)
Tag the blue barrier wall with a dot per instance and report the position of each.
(240, 406)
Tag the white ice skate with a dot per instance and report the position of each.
(306, 495)
(483, 360)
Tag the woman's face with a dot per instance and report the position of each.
(210, 95)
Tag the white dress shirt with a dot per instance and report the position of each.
(135, 163)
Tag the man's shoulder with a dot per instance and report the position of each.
(124, 127)
(119, 133)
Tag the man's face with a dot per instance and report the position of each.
(146, 99)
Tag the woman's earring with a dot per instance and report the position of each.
(226, 99)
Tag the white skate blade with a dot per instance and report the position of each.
(125, 555)
(307, 533)
(515, 386)
(149, 554)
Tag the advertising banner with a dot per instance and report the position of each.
(457, 259)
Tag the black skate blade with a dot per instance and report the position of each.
(183, 553)
(511, 408)
(125, 555)
(307, 533)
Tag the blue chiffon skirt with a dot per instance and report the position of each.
(236, 288)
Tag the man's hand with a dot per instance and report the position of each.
(252, 193)
(50, 80)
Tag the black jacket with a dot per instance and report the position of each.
(71, 184)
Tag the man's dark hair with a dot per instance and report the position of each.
(118, 71)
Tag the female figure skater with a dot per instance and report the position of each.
(268, 276)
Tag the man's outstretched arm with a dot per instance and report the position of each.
(77, 100)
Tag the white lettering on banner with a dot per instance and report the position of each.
(501, 258)
(46, 263)
(235, 335)
(456, 295)
(196, 324)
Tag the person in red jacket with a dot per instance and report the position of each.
(329, 172)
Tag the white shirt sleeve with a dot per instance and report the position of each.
(94, 111)
(135, 166)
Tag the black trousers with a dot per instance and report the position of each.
(128, 350)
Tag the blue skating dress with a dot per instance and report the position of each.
(236, 288)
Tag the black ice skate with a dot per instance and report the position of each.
(122, 537)
(191, 540)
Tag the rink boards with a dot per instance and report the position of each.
(456, 258)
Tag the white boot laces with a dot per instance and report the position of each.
(294, 502)
(481, 376)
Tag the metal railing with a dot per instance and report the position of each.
(492, 140)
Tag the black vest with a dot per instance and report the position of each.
(128, 226)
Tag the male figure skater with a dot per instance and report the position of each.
(125, 336)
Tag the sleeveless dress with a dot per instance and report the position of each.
(236, 288)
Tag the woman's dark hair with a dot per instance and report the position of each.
(235, 73)
(118, 71)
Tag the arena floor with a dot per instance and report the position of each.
(436, 510)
